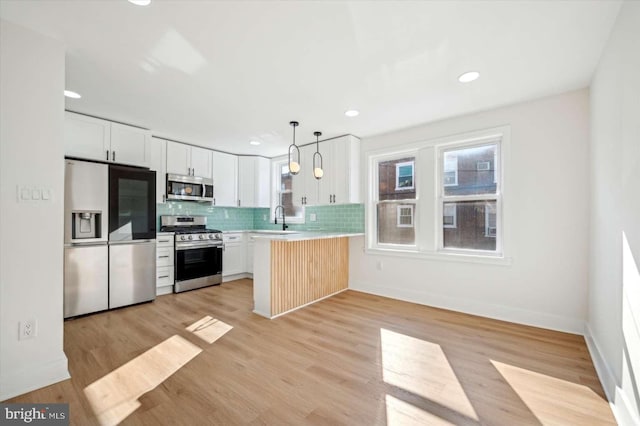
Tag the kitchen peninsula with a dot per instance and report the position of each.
(292, 270)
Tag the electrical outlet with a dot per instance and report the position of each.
(28, 329)
(312, 217)
(264, 217)
(379, 265)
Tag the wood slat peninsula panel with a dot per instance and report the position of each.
(305, 271)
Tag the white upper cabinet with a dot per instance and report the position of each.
(341, 181)
(254, 181)
(129, 145)
(96, 139)
(190, 160)
(86, 137)
(263, 182)
(225, 179)
(305, 186)
(201, 162)
(158, 162)
(178, 158)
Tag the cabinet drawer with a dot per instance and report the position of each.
(233, 238)
(164, 256)
(164, 276)
(164, 241)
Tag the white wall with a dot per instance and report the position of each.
(613, 328)
(546, 284)
(31, 256)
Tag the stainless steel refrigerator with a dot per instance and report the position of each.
(110, 230)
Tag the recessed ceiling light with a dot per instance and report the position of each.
(468, 77)
(140, 2)
(352, 113)
(71, 94)
(256, 143)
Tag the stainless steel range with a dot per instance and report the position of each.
(198, 252)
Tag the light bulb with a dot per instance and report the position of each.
(294, 167)
(318, 172)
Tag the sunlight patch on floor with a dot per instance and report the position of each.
(209, 329)
(553, 400)
(422, 368)
(115, 396)
(401, 413)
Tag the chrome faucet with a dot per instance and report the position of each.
(275, 212)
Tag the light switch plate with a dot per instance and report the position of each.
(24, 193)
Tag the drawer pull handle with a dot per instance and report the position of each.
(164, 241)
(163, 256)
(163, 276)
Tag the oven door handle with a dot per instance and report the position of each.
(190, 246)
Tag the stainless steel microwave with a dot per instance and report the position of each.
(189, 188)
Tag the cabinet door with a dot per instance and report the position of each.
(263, 182)
(233, 259)
(306, 172)
(298, 182)
(326, 185)
(129, 145)
(158, 162)
(340, 180)
(225, 179)
(201, 162)
(246, 181)
(178, 158)
(86, 137)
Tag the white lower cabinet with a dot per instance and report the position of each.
(165, 275)
(234, 255)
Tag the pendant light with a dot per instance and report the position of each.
(317, 166)
(294, 159)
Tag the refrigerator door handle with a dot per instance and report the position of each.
(87, 244)
(116, 243)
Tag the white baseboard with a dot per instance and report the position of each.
(29, 379)
(236, 277)
(618, 401)
(504, 313)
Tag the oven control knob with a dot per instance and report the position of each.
(218, 236)
(202, 237)
(211, 236)
(182, 237)
(190, 237)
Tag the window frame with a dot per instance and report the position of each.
(413, 175)
(442, 198)
(428, 213)
(398, 215)
(276, 167)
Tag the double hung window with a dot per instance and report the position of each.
(469, 208)
(441, 197)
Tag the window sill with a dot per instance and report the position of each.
(442, 256)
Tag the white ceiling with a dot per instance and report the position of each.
(220, 73)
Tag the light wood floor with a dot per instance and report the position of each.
(353, 359)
